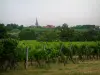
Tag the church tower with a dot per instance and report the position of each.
(36, 23)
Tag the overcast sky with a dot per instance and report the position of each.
(55, 12)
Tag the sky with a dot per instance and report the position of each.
(53, 12)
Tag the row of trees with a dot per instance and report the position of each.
(62, 33)
(12, 26)
(69, 34)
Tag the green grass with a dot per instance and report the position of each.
(83, 68)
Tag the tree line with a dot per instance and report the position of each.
(59, 33)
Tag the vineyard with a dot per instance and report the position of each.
(47, 57)
(44, 53)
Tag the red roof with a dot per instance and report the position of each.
(49, 26)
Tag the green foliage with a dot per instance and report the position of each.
(84, 27)
(3, 31)
(8, 54)
(48, 36)
(12, 26)
(62, 52)
(27, 34)
(66, 34)
(44, 53)
(62, 33)
(90, 35)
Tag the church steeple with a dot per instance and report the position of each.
(36, 23)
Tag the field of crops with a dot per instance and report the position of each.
(56, 58)
(44, 53)
(33, 43)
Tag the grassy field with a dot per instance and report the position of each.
(82, 68)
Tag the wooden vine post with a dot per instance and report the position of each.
(26, 65)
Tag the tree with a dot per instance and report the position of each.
(27, 34)
(3, 31)
(90, 35)
(20, 27)
(48, 36)
(11, 26)
(66, 33)
(8, 54)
